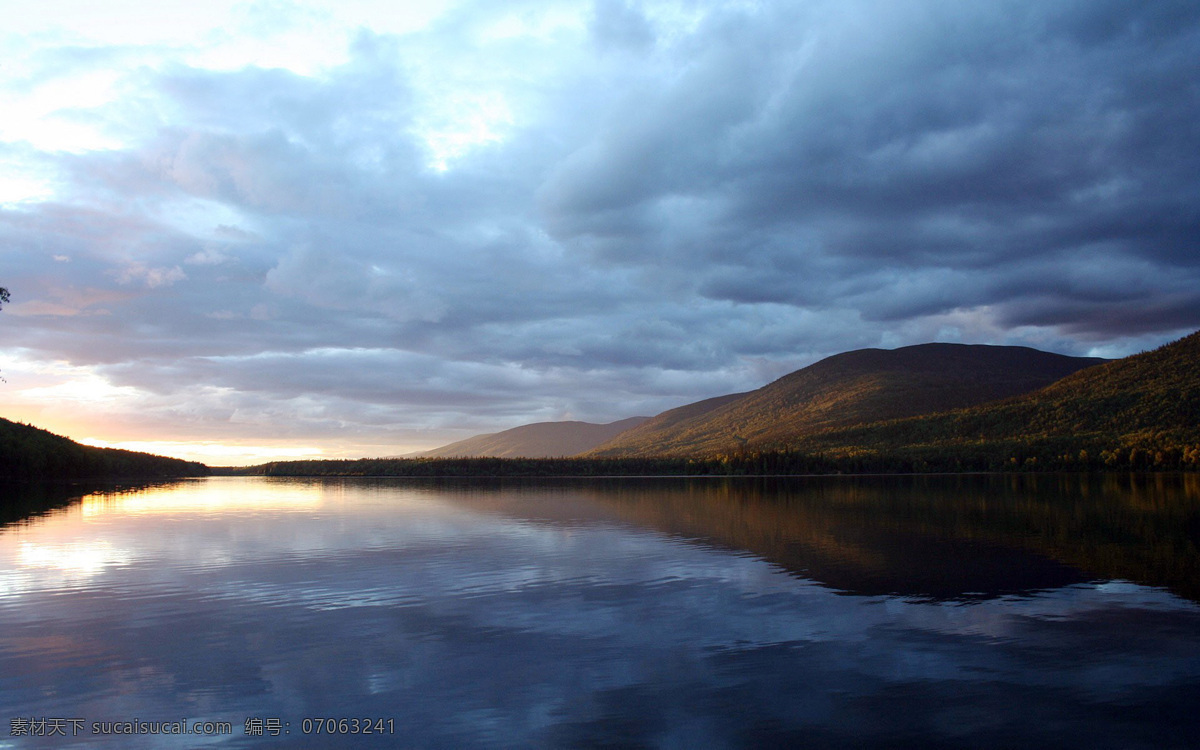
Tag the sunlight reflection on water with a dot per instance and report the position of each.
(637, 613)
(205, 496)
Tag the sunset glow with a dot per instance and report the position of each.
(215, 454)
(239, 232)
(178, 501)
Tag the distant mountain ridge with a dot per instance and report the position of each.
(1141, 411)
(538, 440)
(880, 411)
(853, 388)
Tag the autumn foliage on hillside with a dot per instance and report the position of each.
(858, 387)
(1141, 412)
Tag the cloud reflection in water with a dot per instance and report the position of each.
(544, 616)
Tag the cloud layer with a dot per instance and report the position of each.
(378, 231)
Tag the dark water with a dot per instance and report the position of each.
(1048, 611)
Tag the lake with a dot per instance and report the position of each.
(947, 611)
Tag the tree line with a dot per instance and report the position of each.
(28, 452)
(1017, 456)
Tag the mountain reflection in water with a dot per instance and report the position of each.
(956, 611)
(943, 537)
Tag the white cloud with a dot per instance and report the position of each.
(526, 209)
(209, 256)
(149, 277)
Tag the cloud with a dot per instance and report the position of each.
(624, 206)
(618, 26)
(151, 277)
(332, 278)
(209, 256)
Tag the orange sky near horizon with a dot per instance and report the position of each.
(88, 410)
(244, 231)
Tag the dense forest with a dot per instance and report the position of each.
(28, 452)
(775, 463)
(1038, 456)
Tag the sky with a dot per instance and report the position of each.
(246, 231)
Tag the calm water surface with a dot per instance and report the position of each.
(840, 612)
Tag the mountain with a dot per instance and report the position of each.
(28, 452)
(857, 387)
(1142, 410)
(539, 440)
(660, 429)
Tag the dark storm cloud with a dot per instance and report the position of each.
(654, 203)
(932, 141)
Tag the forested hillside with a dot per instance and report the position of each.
(28, 452)
(1141, 412)
(867, 385)
(664, 428)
